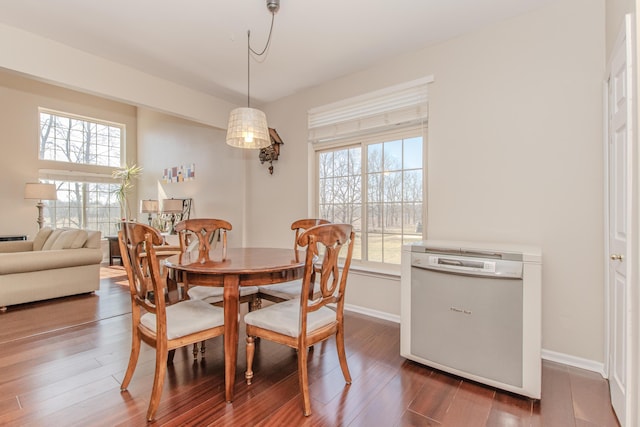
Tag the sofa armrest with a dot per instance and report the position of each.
(21, 262)
(16, 246)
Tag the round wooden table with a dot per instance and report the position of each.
(240, 267)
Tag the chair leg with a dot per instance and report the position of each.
(195, 350)
(251, 347)
(133, 359)
(172, 353)
(303, 379)
(202, 348)
(342, 355)
(158, 382)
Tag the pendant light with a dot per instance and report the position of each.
(247, 126)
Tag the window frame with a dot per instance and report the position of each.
(85, 173)
(98, 122)
(363, 142)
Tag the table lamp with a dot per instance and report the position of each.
(149, 207)
(40, 191)
(173, 207)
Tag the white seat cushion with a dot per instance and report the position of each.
(284, 318)
(287, 290)
(187, 317)
(213, 294)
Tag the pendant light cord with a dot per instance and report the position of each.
(250, 51)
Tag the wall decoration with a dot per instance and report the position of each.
(179, 173)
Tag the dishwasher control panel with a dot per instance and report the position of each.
(467, 265)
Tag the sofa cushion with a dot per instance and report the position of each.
(93, 239)
(80, 239)
(69, 239)
(52, 239)
(41, 238)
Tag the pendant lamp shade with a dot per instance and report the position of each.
(248, 129)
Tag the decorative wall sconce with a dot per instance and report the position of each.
(271, 153)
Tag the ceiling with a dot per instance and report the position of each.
(202, 44)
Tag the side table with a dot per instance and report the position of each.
(114, 249)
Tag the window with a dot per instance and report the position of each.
(377, 186)
(86, 193)
(369, 167)
(85, 205)
(81, 141)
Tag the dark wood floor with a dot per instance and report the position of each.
(61, 363)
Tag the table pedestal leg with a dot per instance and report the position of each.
(231, 312)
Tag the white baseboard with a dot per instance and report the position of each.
(372, 313)
(553, 356)
(576, 362)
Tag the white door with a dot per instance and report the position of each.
(620, 151)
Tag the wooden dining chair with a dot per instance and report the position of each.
(202, 234)
(305, 321)
(162, 322)
(286, 291)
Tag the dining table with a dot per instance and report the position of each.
(231, 269)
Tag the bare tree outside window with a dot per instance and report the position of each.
(391, 213)
(82, 202)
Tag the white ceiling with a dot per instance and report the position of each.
(202, 43)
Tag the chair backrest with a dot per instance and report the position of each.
(304, 224)
(205, 231)
(332, 241)
(137, 248)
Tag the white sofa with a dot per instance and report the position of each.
(55, 263)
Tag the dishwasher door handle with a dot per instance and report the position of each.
(454, 262)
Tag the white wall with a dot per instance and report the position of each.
(20, 99)
(217, 191)
(515, 155)
(49, 61)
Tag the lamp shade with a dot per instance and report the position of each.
(40, 191)
(248, 129)
(148, 206)
(171, 206)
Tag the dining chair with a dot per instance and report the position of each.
(208, 232)
(161, 321)
(286, 291)
(300, 323)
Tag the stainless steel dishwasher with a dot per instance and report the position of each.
(470, 309)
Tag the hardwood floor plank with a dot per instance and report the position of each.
(9, 404)
(556, 407)
(61, 363)
(434, 399)
(471, 405)
(388, 407)
(590, 398)
(354, 399)
(411, 419)
(40, 413)
(510, 410)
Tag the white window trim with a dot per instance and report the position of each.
(79, 167)
(56, 170)
(376, 268)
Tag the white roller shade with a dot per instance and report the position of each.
(404, 104)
